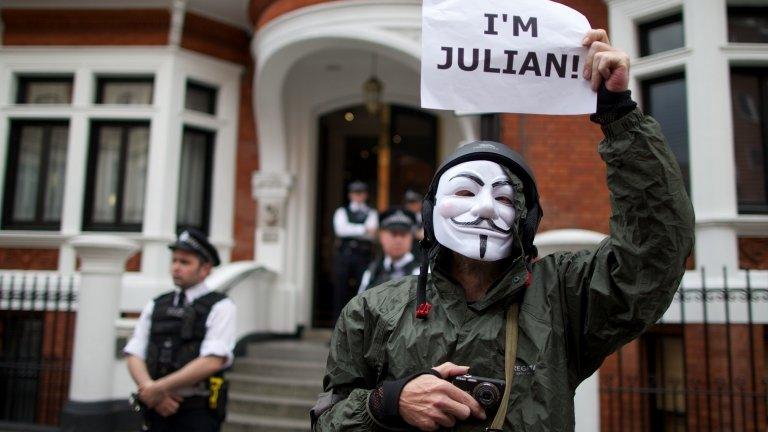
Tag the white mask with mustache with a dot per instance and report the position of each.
(474, 210)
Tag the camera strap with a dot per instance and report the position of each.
(510, 354)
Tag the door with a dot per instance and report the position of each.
(392, 152)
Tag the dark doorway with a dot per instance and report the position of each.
(392, 152)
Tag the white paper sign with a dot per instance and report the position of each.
(517, 56)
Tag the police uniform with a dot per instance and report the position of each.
(178, 327)
(354, 246)
(385, 268)
(410, 197)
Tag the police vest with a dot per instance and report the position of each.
(356, 216)
(379, 274)
(176, 333)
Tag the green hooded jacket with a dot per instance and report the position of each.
(578, 309)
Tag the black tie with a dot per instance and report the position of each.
(181, 300)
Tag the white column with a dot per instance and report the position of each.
(586, 404)
(271, 190)
(77, 156)
(710, 130)
(224, 170)
(159, 227)
(103, 259)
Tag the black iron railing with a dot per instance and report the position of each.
(704, 369)
(37, 317)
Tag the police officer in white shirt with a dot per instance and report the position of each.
(182, 342)
(355, 227)
(396, 238)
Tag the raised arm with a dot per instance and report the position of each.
(613, 294)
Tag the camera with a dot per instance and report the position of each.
(486, 391)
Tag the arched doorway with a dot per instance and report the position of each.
(392, 151)
(309, 64)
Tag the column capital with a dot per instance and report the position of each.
(271, 185)
(103, 253)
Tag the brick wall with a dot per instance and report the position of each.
(247, 163)
(215, 39)
(29, 259)
(753, 253)
(562, 152)
(85, 27)
(726, 390)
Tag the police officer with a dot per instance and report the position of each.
(413, 201)
(355, 227)
(396, 239)
(182, 342)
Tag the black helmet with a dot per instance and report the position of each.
(504, 156)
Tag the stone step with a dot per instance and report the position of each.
(279, 368)
(303, 388)
(253, 423)
(272, 406)
(288, 350)
(317, 335)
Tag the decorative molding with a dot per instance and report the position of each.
(178, 10)
(271, 185)
(271, 189)
(644, 9)
(745, 225)
(103, 253)
(660, 64)
(567, 240)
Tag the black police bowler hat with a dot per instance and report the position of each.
(358, 186)
(194, 240)
(413, 196)
(397, 219)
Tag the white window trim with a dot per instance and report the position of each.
(171, 68)
(706, 59)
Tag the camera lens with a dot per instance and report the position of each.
(486, 394)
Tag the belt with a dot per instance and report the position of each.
(356, 243)
(194, 403)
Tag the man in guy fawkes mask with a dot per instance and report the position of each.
(487, 308)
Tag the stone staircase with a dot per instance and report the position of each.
(273, 387)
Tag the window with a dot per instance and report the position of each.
(661, 35)
(44, 90)
(749, 99)
(34, 185)
(665, 368)
(200, 97)
(124, 91)
(748, 24)
(117, 171)
(665, 99)
(194, 200)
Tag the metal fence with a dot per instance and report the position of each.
(37, 317)
(705, 372)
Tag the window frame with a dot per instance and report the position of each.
(644, 28)
(90, 186)
(645, 97)
(762, 73)
(101, 80)
(208, 173)
(212, 90)
(23, 79)
(11, 171)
